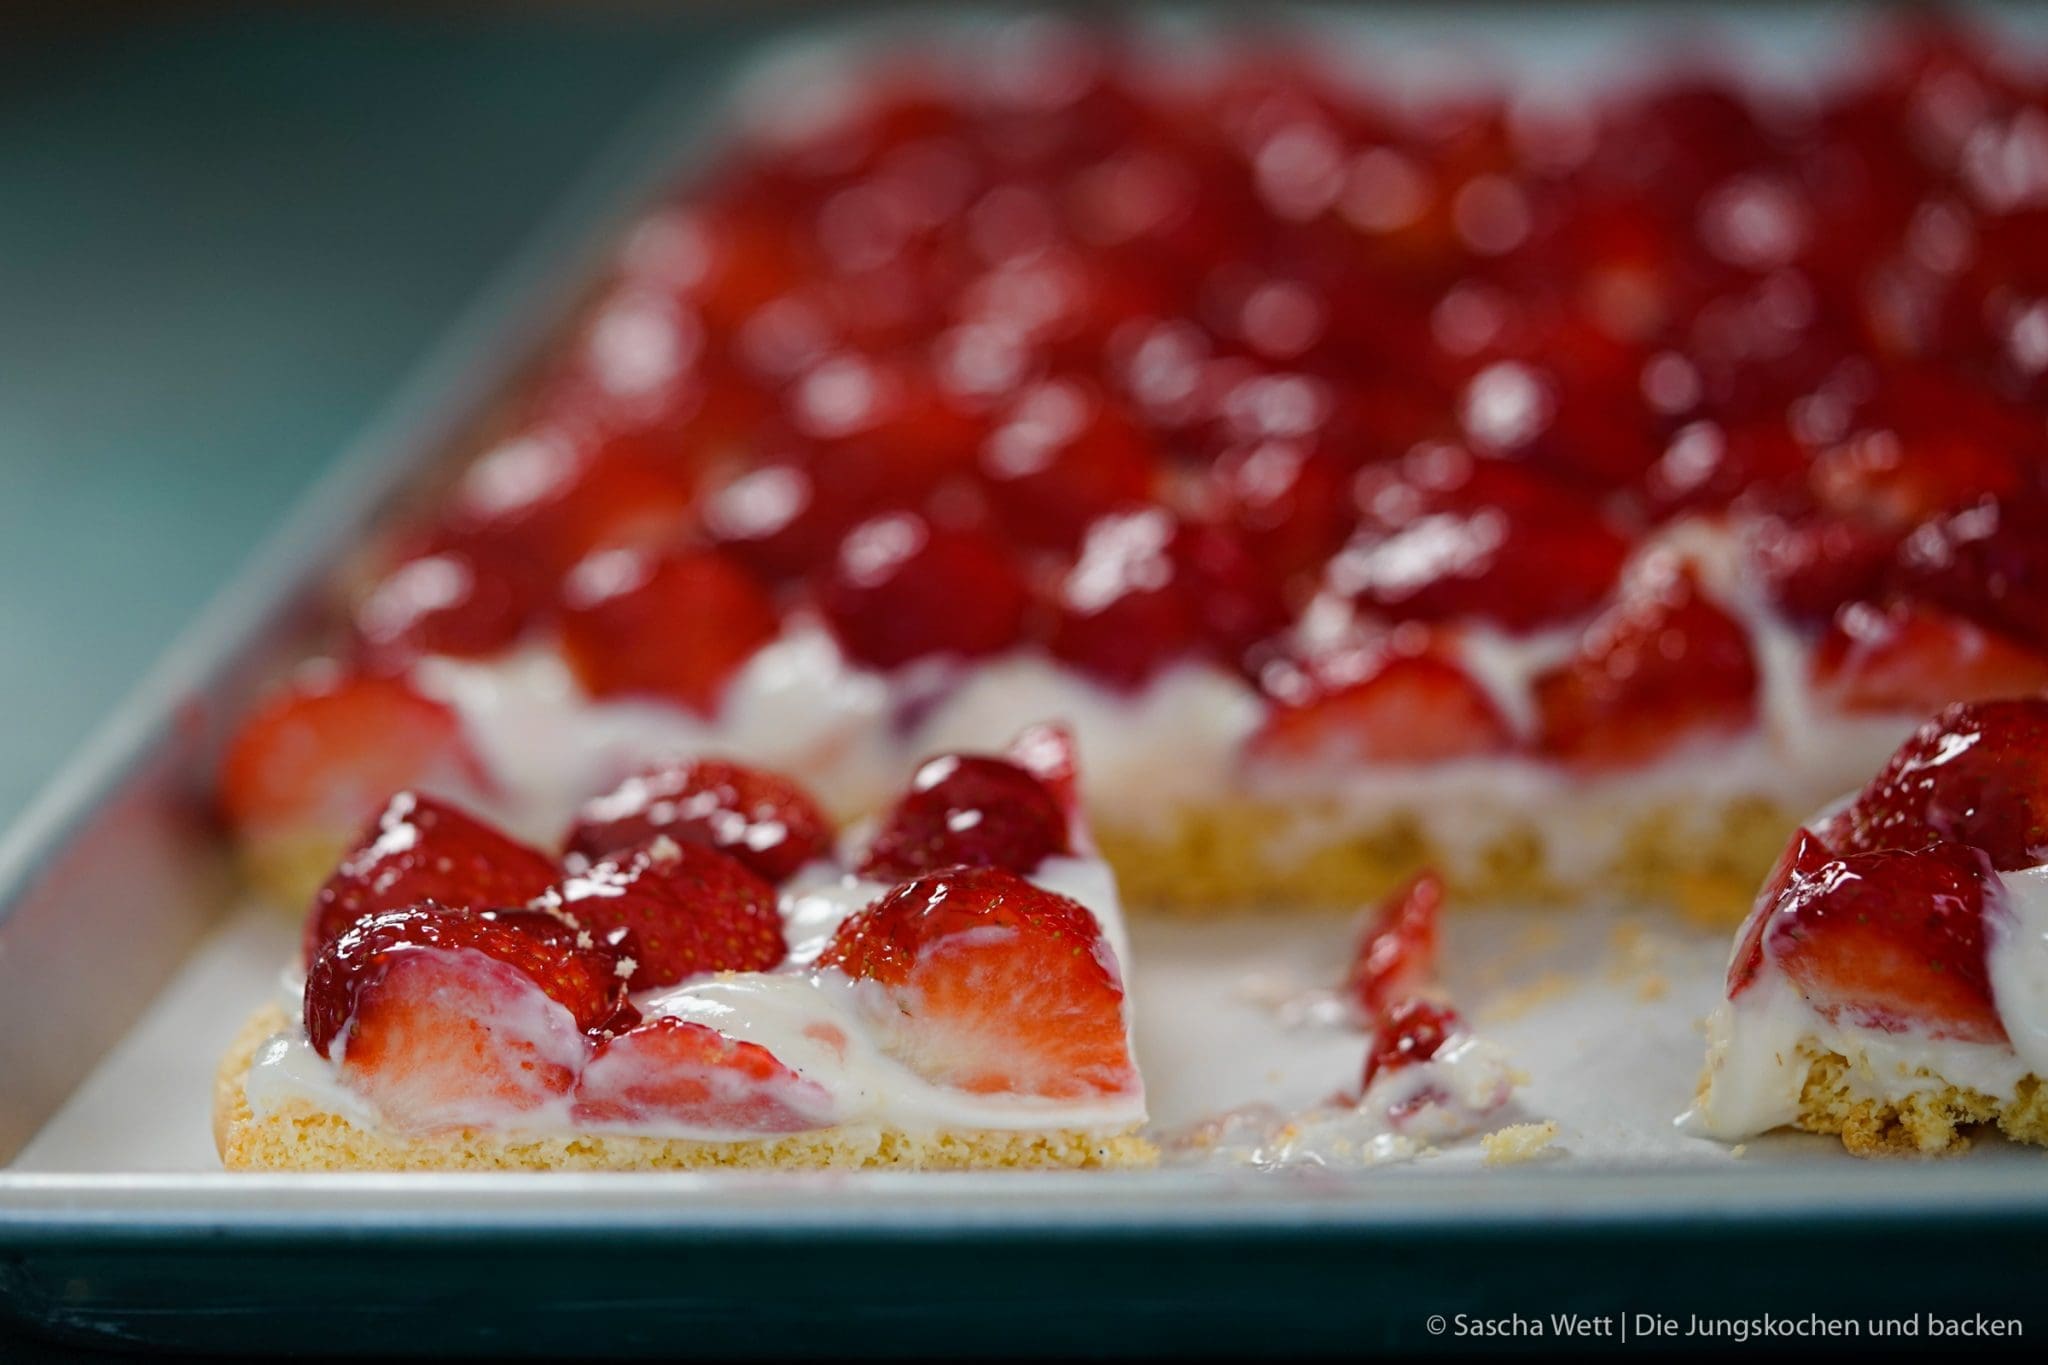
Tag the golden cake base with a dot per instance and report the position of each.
(1930, 1122)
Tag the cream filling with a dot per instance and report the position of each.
(812, 1023)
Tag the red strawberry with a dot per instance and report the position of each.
(1061, 457)
(1411, 1031)
(1815, 564)
(1891, 941)
(901, 589)
(587, 983)
(1988, 562)
(325, 756)
(980, 981)
(422, 850)
(675, 626)
(672, 1071)
(1288, 501)
(468, 601)
(1976, 774)
(1382, 706)
(1907, 656)
(439, 1039)
(1048, 752)
(1447, 535)
(968, 810)
(1660, 667)
(691, 909)
(762, 819)
(1397, 956)
(1803, 856)
(556, 496)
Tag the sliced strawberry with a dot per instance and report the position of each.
(1396, 958)
(979, 981)
(420, 849)
(676, 626)
(325, 756)
(902, 589)
(762, 819)
(589, 984)
(441, 1038)
(1908, 656)
(1382, 705)
(1976, 774)
(1411, 1031)
(1803, 856)
(968, 810)
(691, 909)
(673, 1071)
(1664, 665)
(1891, 941)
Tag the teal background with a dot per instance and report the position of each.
(225, 236)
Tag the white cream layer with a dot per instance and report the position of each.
(785, 1011)
(1761, 1045)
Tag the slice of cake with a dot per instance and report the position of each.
(1891, 983)
(703, 983)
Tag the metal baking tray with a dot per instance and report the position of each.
(126, 958)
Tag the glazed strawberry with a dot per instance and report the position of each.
(1060, 457)
(1892, 941)
(1908, 656)
(1976, 774)
(691, 909)
(556, 496)
(1815, 564)
(589, 985)
(1447, 535)
(968, 810)
(418, 850)
(901, 589)
(980, 981)
(440, 1039)
(675, 626)
(466, 601)
(761, 819)
(1288, 499)
(1411, 1031)
(1382, 705)
(1988, 562)
(674, 1071)
(1664, 665)
(1396, 958)
(322, 756)
(1804, 856)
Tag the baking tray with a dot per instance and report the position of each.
(115, 1227)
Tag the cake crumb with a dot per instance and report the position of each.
(1519, 1142)
(1739, 1150)
(1653, 987)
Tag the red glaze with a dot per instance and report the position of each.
(1976, 774)
(900, 588)
(1661, 667)
(676, 626)
(762, 820)
(982, 982)
(1412, 1030)
(588, 983)
(674, 1071)
(691, 909)
(418, 850)
(322, 757)
(1396, 957)
(1907, 657)
(1891, 941)
(971, 810)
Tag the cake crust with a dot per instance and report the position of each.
(1934, 1121)
(301, 1137)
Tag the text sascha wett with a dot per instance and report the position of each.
(1651, 1326)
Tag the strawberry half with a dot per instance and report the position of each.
(1976, 774)
(586, 983)
(1660, 667)
(1891, 941)
(900, 589)
(1396, 957)
(979, 981)
(675, 626)
(968, 810)
(1909, 656)
(671, 1070)
(691, 909)
(762, 819)
(1803, 856)
(420, 849)
(322, 757)
(1384, 706)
